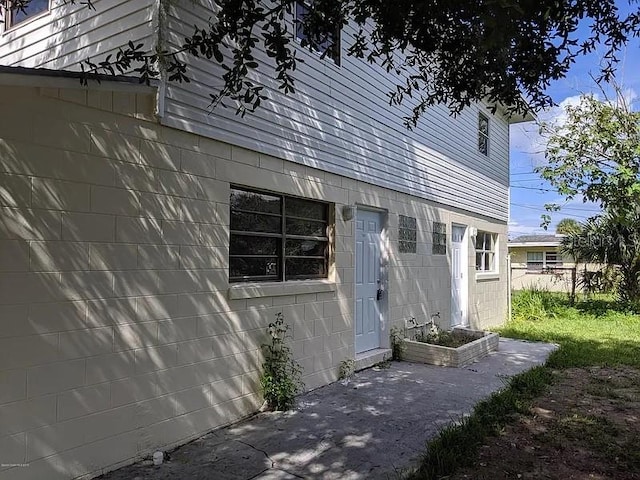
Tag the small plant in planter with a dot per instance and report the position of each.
(435, 336)
(281, 377)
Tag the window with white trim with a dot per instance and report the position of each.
(486, 252)
(483, 134)
(277, 237)
(25, 12)
(543, 260)
(328, 46)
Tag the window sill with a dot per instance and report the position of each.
(278, 289)
(486, 276)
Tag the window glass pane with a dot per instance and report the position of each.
(306, 248)
(250, 245)
(240, 268)
(306, 209)
(534, 256)
(327, 41)
(254, 202)
(479, 260)
(483, 124)
(254, 222)
(33, 8)
(306, 228)
(488, 261)
(305, 267)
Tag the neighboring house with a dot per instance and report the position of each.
(146, 242)
(538, 262)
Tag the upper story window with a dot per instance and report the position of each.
(486, 252)
(276, 237)
(330, 45)
(407, 234)
(25, 12)
(543, 260)
(483, 134)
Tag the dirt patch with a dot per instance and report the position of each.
(586, 427)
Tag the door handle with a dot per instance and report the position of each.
(380, 292)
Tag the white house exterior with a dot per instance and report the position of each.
(145, 242)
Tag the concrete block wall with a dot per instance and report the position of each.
(119, 333)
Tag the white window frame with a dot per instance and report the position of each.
(492, 250)
(545, 262)
(10, 24)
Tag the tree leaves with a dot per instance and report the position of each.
(452, 53)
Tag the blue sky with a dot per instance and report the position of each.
(529, 193)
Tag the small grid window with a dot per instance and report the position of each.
(483, 134)
(408, 234)
(439, 238)
(25, 12)
(329, 45)
(486, 252)
(276, 237)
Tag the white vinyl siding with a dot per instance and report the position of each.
(72, 33)
(339, 120)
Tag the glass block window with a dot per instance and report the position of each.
(439, 244)
(486, 252)
(276, 237)
(483, 134)
(408, 234)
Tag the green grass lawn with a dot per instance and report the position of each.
(594, 332)
(590, 333)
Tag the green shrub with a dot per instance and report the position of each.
(281, 377)
(536, 304)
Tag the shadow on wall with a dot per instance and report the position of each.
(116, 335)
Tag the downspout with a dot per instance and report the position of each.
(159, 25)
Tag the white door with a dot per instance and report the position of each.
(459, 271)
(368, 280)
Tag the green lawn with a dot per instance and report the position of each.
(595, 332)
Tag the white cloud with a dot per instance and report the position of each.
(516, 229)
(525, 138)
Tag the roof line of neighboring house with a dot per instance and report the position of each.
(534, 244)
(44, 77)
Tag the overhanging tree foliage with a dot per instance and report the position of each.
(595, 153)
(452, 52)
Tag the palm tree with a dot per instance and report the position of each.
(611, 240)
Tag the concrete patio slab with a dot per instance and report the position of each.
(367, 429)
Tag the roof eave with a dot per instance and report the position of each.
(46, 78)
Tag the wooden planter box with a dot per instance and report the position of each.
(452, 357)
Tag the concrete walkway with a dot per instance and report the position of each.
(379, 422)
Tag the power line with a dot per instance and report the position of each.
(532, 188)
